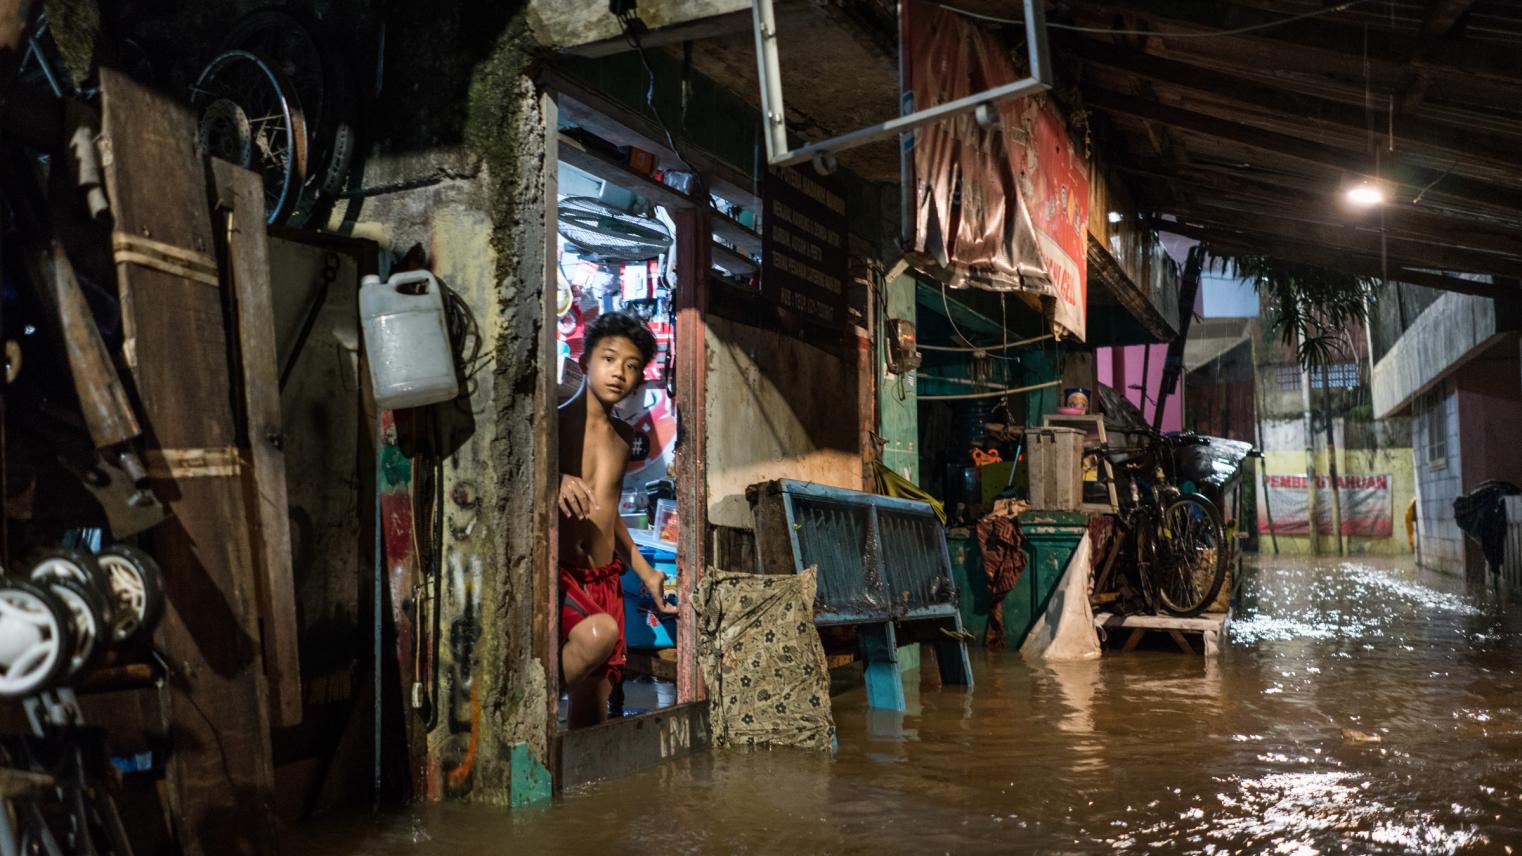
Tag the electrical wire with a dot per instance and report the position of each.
(946, 303)
(1018, 343)
(632, 25)
(1341, 7)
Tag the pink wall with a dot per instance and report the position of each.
(1121, 367)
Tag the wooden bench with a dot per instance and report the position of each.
(1210, 627)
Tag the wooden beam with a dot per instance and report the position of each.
(1225, 239)
(1311, 113)
(1295, 149)
(1322, 44)
(1436, 250)
(1442, 15)
(1347, 239)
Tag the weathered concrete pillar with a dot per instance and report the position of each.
(461, 172)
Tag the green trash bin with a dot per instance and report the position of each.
(1051, 538)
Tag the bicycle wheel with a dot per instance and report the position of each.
(1191, 556)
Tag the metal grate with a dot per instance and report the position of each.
(878, 557)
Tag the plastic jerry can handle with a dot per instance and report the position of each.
(398, 281)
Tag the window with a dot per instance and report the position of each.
(1430, 414)
(1338, 375)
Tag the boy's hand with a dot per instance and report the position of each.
(576, 498)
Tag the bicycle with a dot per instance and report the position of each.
(1180, 544)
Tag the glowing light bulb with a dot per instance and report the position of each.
(1365, 195)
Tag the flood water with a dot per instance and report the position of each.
(1358, 707)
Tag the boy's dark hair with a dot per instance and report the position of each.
(619, 324)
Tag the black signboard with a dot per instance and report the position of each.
(804, 268)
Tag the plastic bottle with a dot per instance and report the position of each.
(407, 340)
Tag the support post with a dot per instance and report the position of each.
(879, 654)
(693, 242)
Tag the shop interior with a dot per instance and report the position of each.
(617, 249)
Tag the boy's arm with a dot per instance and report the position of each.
(654, 580)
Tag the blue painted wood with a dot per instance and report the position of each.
(951, 655)
(879, 654)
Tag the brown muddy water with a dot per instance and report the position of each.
(1359, 707)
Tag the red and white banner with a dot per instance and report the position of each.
(1366, 508)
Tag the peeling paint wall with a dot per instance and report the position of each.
(464, 147)
(780, 409)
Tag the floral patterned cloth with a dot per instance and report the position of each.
(762, 661)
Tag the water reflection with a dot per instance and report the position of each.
(1357, 708)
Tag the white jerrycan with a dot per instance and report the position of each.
(407, 340)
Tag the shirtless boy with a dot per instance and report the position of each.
(594, 543)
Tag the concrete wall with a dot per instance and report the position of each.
(1440, 543)
(776, 408)
(1449, 332)
(1284, 454)
(572, 23)
(457, 167)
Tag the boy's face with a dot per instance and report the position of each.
(614, 368)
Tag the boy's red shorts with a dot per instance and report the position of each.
(585, 592)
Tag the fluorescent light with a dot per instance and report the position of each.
(1115, 217)
(1365, 195)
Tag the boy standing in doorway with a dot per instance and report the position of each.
(594, 543)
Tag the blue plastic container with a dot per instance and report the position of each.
(644, 628)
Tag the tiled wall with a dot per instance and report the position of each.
(1441, 541)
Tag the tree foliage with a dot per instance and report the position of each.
(1315, 309)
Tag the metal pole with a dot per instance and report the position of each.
(770, 69)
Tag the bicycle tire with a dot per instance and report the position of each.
(1187, 591)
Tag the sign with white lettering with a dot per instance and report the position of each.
(1366, 507)
(804, 268)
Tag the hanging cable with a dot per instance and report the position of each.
(1341, 7)
(946, 303)
(995, 394)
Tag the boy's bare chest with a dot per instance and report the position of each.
(604, 455)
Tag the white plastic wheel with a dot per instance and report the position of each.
(35, 639)
(86, 624)
(137, 592)
(61, 565)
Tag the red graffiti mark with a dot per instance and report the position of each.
(461, 773)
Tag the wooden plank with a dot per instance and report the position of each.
(1212, 621)
(693, 245)
(240, 198)
(546, 614)
(1183, 644)
(221, 781)
(1133, 640)
(622, 746)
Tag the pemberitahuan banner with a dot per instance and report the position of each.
(1000, 205)
(1366, 509)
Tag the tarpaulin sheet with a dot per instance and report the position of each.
(1003, 207)
(762, 661)
(1365, 505)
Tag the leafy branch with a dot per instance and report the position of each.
(1314, 308)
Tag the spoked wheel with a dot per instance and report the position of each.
(36, 640)
(1191, 556)
(137, 590)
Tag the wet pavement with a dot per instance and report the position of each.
(1359, 707)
